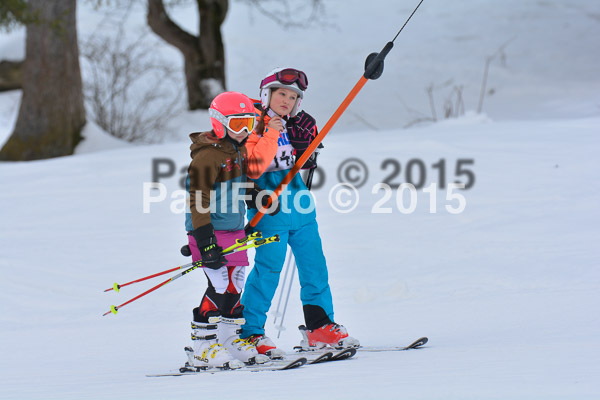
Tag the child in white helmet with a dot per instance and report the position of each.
(281, 136)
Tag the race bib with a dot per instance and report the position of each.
(284, 159)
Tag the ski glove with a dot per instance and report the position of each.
(252, 203)
(302, 130)
(211, 252)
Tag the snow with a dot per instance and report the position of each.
(9, 109)
(505, 290)
(95, 139)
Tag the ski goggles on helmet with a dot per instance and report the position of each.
(287, 76)
(235, 123)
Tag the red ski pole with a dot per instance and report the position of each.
(229, 250)
(197, 264)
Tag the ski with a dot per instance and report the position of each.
(280, 365)
(344, 354)
(328, 356)
(417, 344)
(322, 358)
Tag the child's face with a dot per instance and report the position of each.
(238, 137)
(283, 100)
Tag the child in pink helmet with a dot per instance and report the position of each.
(217, 186)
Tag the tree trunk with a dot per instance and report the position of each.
(11, 76)
(204, 55)
(52, 113)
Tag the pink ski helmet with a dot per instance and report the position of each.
(233, 111)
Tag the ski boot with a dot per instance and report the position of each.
(265, 346)
(329, 335)
(241, 349)
(207, 352)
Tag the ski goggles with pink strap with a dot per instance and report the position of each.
(287, 76)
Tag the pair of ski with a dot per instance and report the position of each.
(284, 365)
(272, 365)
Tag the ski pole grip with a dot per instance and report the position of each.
(374, 62)
(185, 250)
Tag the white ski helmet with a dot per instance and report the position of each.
(287, 78)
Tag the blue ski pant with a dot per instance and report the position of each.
(263, 280)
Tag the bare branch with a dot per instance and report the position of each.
(499, 53)
(129, 87)
(292, 15)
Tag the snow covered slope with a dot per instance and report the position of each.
(505, 290)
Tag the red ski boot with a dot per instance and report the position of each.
(329, 335)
